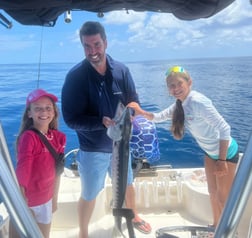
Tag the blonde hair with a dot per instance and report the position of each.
(178, 118)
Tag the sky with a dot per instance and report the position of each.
(132, 37)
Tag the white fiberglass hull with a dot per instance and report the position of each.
(164, 198)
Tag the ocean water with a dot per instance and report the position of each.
(227, 81)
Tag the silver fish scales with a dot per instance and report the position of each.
(120, 133)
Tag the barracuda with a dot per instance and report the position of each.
(120, 134)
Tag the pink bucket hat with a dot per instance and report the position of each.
(38, 93)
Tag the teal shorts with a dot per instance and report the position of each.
(93, 168)
(232, 153)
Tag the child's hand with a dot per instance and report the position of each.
(137, 108)
(221, 168)
(140, 111)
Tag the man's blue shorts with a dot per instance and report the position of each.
(93, 167)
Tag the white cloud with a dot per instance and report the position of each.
(136, 26)
(164, 29)
(233, 14)
(116, 43)
(246, 34)
(164, 20)
(144, 35)
(122, 17)
(75, 37)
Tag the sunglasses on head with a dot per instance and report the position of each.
(175, 69)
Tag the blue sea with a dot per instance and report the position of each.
(227, 81)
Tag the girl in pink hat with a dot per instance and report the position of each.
(35, 170)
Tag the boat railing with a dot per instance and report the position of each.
(6, 154)
(238, 197)
(250, 229)
(20, 216)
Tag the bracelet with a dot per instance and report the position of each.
(222, 160)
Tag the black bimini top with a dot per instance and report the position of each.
(46, 12)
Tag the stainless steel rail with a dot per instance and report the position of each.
(15, 204)
(238, 197)
(19, 213)
(6, 154)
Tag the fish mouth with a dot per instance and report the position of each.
(114, 132)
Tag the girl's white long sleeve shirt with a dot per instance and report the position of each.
(202, 120)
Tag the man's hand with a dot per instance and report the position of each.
(107, 122)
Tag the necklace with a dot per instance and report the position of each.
(49, 136)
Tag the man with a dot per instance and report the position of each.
(90, 95)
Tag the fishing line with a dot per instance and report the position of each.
(40, 53)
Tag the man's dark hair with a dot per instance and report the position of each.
(90, 28)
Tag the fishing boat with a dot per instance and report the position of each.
(174, 201)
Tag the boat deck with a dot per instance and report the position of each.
(104, 227)
(165, 199)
